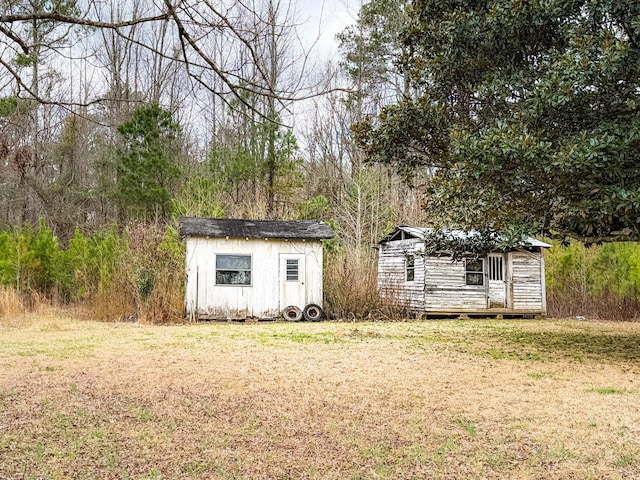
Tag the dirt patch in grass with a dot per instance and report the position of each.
(446, 399)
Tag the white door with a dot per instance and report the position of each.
(292, 289)
(497, 281)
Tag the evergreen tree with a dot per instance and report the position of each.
(148, 162)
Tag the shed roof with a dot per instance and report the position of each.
(225, 227)
(422, 232)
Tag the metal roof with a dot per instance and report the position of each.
(421, 233)
(233, 228)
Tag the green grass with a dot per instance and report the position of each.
(626, 459)
(609, 391)
(539, 375)
(469, 426)
(286, 338)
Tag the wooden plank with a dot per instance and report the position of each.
(392, 283)
(527, 280)
(445, 286)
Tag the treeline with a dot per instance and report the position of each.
(110, 131)
(137, 273)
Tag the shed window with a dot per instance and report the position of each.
(409, 268)
(233, 269)
(292, 270)
(474, 271)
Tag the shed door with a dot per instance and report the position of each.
(292, 289)
(497, 281)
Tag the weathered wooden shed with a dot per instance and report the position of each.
(508, 282)
(239, 269)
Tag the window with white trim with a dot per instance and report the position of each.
(233, 269)
(474, 271)
(409, 268)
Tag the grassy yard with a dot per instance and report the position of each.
(475, 399)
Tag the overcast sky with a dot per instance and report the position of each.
(324, 19)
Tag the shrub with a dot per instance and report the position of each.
(147, 282)
(351, 290)
(136, 274)
(31, 261)
(600, 281)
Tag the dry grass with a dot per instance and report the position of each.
(10, 303)
(351, 288)
(437, 399)
(14, 304)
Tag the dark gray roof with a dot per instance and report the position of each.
(224, 227)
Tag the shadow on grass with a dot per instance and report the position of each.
(602, 347)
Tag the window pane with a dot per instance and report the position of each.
(292, 270)
(474, 271)
(230, 262)
(233, 269)
(474, 265)
(410, 262)
(233, 277)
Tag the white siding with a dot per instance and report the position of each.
(527, 270)
(262, 298)
(446, 288)
(391, 273)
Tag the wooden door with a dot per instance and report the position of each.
(497, 281)
(292, 275)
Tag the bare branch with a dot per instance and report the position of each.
(65, 19)
(14, 37)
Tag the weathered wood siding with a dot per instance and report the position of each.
(446, 288)
(527, 281)
(391, 273)
(260, 299)
(513, 281)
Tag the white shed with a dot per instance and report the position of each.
(238, 269)
(510, 282)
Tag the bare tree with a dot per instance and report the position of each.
(188, 26)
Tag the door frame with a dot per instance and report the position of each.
(503, 272)
(283, 282)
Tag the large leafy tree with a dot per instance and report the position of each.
(148, 162)
(528, 118)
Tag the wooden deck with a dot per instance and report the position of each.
(482, 313)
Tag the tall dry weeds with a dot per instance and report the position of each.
(16, 307)
(115, 300)
(10, 303)
(351, 290)
(567, 304)
(148, 281)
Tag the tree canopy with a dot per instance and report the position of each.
(528, 115)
